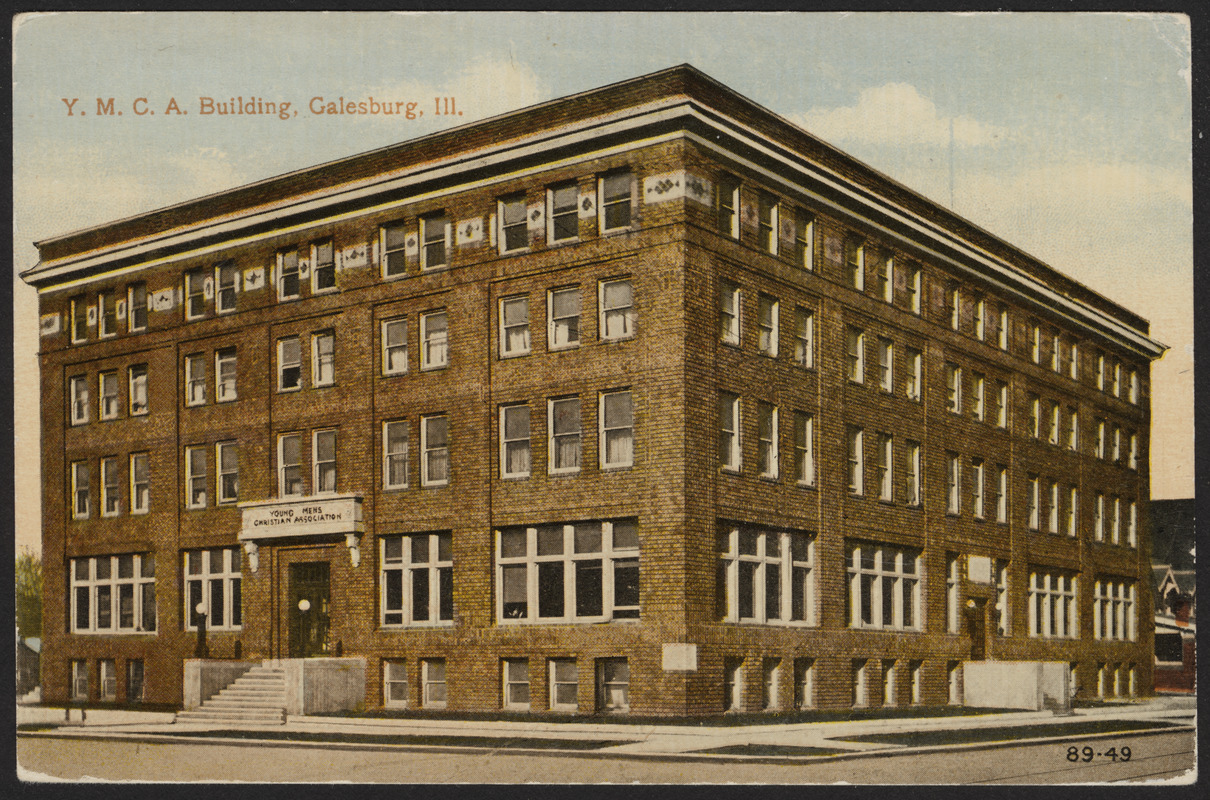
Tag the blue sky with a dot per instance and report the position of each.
(1071, 131)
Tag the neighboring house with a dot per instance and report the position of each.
(1175, 584)
(28, 656)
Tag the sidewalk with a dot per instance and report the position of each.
(813, 739)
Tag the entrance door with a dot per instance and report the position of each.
(309, 609)
(976, 629)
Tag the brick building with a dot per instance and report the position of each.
(638, 400)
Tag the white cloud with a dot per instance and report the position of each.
(895, 114)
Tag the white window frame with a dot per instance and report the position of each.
(390, 457)
(323, 365)
(195, 294)
(108, 400)
(1034, 503)
(223, 289)
(1001, 404)
(729, 432)
(1098, 518)
(914, 494)
(955, 308)
(953, 592)
(395, 677)
(886, 365)
(392, 256)
(855, 353)
(1002, 333)
(854, 261)
(509, 349)
(389, 350)
(133, 308)
(1056, 353)
(766, 441)
(1035, 343)
(623, 313)
(225, 363)
(284, 469)
(1053, 604)
(201, 587)
(137, 379)
(112, 586)
(434, 345)
(107, 316)
(428, 241)
(979, 488)
(224, 471)
(726, 205)
(609, 428)
(902, 583)
(953, 386)
(515, 688)
(429, 577)
(979, 404)
(804, 338)
(1073, 511)
(605, 204)
(195, 380)
(288, 265)
(1114, 610)
(1053, 503)
(1073, 363)
(856, 460)
(554, 683)
(768, 320)
(197, 477)
(915, 287)
(79, 314)
(555, 213)
(804, 448)
(555, 437)
(562, 332)
(804, 241)
(510, 444)
(80, 403)
(111, 482)
(1001, 493)
(283, 365)
(730, 314)
(506, 224)
(980, 319)
(140, 490)
(1073, 431)
(885, 467)
(320, 466)
(427, 453)
(1133, 395)
(914, 388)
(768, 228)
(953, 484)
(886, 278)
(1132, 458)
(754, 552)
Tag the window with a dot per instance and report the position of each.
(213, 580)
(804, 682)
(804, 337)
(1053, 507)
(323, 455)
(617, 430)
(195, 379)
(771, 674)
(140, 484)
(615, 202)
(1132, 460)
(109, 679)
(854, 260)
(434, 241)
(767, 209)
(1035, 343)
(953, 388)
(227, 458)
(224, 375)
(79, 400)
(888, 682)
(955, 303)
(979, 404)
(563, 215)
(1117, 379)
(886, 275)
(617, 310)
(886, 365)
(564, 425)
(79, 320)
(913, 473)
(136, 307)
(886, 446)
(323, 267)
(568, 572)
(395, 683)
(1056, 423)
(563, 318)
(107, 314)
(79, 681)
(394, 346)
(417, 579)
(434, 450)
(323, 358)
(514, 326)
(1073, 510)
(195, 294)
(860, 682)
(954, 680)
(1035, 501)
(138, 389)
(1117, 444)
(113, 594)
(1101, 371)
(613, 685)
(1002, 332)
(804, 449)
(110, 483)
(395, 454)
(287, 275)
(1056, 353)
(729, 313)
(728, 431)
(514, 231)
(953, 484)
(916, 671)
(564, 684)
(289, 364)
(1052, 604)
(726, 202)
(1113, 610)
(1100, 445)
(884, 587)
(134, 680)
(1132, 524)
(289, 465)
(226, 277)
(1134, 387)
(434, 340)
(1001, 493)
(1073, 364)
(109, 394)
(394, 250)
(1035, 416)
(733, 684)
(1115, 522)
(766, 576)
(766, 441)
(768, 309)
(195, 477)
(514, 441)
(1098, 517)
(1003, 606)
(979, 488)
(432, 683)
(1073, 431)
(804, 241)
(855, 340)
(1001, 404)
(953, 600)
(516, 683)
(856, 461)
(915, 286)
(915, 378)
(980, 319)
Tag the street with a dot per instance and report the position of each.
(1152, 757)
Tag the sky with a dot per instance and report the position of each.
(1071, 132)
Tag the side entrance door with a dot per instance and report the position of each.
(309, 600)
(976, 628)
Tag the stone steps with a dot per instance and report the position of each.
(256, 697)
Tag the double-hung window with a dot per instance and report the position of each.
(138, 389)
(955, 304)
(108, 386)
(140, 484)
(213, 580)
(434, 340)
(1002, 329)
(79, 320)
(196, 477)
(1001, 404)
(434, 450)
(226, 278)
(915, 289)
(226, 456)
(136, 307)
(434, 241)
(323, 267)
(915, 378)
(1073, 510)
(979, 399)
(563, 421)
(563, 318)
(564, 684)
(514, 441)
(395, 454)
(1056, 353)
(884, 587)
(953, 388)
(855, 352)
(195, 379)
(289, 465)
(514, 326)
(768, 311)
(767, 226)
(1035, 343)
(287, 275)
(394, 346)
(113, 594)
(323, 358)
(1098, 517)
(886, 277)
(804, 337)
(1001, 493)
(617, 430)
(953, 484)
(617, 310)
(1056, 423)
(1034, 500)
(1035, 416)
(514, 230)
(1134, 387)
(568, 572)
(224, 375)
(854, 260)
(1073, 432)
(728, 431)
(1073, 364)
(79, 490)
(107, 315)
(886, 448)
(730, 300)
(804, 241)
(766, 576)
(323, 457)
(856, 457)
(416, 582)
(886, 365)
(111, 482)
(766, 441)
(804, 449)
(980, 319)
(978, 486)
(195, 294)
(289, 364)
(912, 463)
(79, 400)
(394, 249)
(1053, 509)
(726, 203)
(615, 200)
(563, 213)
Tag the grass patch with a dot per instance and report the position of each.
(377, 738)
(771, 750)
(944, 737)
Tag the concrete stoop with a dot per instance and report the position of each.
(256, 697)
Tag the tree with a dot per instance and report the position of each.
(29, 594)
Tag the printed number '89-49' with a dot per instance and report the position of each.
(1087, 754)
